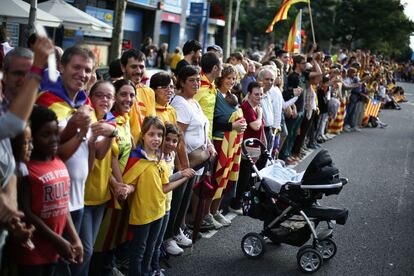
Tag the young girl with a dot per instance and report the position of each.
(45, 199)
(171, 140)
(149, 172)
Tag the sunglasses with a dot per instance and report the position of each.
(166, 87)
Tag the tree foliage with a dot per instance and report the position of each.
(380, 25)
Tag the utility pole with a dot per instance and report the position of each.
(32, 15)
(26, 32)
(235, 27)
(227, 29)
(117, 32)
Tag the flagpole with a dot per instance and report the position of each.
(311, 21)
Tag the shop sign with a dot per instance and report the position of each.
(170, 17)
(104, 15)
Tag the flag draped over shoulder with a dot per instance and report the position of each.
(282, 13)
(373, 108)
(294, 41)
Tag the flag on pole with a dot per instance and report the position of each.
(294, 41)
(373, 108)
(282, 13)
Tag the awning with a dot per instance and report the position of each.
(17, 11)
(75, 19)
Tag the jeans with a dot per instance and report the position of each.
(91, 221)
(350, 114)
(64, 268)
(292, 125)
(141, 250)
(300, 139)
(179, 206)
(323, 119)
(155, 263)
(77, 218)
(359, 113)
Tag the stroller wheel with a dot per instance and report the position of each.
(327, 248)
(253, 245)
(309, 259)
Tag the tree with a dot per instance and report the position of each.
(228, 11)
(117, 32)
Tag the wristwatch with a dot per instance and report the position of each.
(114, 133)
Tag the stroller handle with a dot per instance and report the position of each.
(251, 142)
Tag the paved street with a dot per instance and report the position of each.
(378, 237)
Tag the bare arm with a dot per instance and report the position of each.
(62, 246)
(186, 174)
(255, 125)
(182, 148)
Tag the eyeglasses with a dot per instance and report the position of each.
(103, 96)
(194, 80)
(303, 63)
(166, 87)
(269, 79)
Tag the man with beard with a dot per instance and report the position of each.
(192, 55)
(133, 67)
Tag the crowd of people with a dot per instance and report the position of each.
(109, 172)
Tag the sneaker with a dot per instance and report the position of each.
(172, 248)
(182, 240)
(189, 233)
(116, 272)
(158, 272)
(222, 219)
(210, 219)
(357, 129)
(347, 128)
(236, 211)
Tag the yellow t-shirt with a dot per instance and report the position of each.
(175, 59)
(167, 114)
(97, 184)
(206, 97)
(148, 201)
(143, 106)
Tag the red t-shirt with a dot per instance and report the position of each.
(250, 115)
(50, 186)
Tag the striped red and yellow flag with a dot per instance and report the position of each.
(373, 108)
(294, 41)
(282, 13)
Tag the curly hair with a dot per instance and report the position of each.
(228, 69)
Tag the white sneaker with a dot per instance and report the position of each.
(182, 240)
(236, 211)
(221, 219)
(172, 248)
(210, 219)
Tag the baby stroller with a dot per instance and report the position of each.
(286, 202)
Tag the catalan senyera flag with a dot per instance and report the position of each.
(294, 41)
(373, 108)
(282, 13)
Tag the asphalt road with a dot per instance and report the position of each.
(378, 237)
